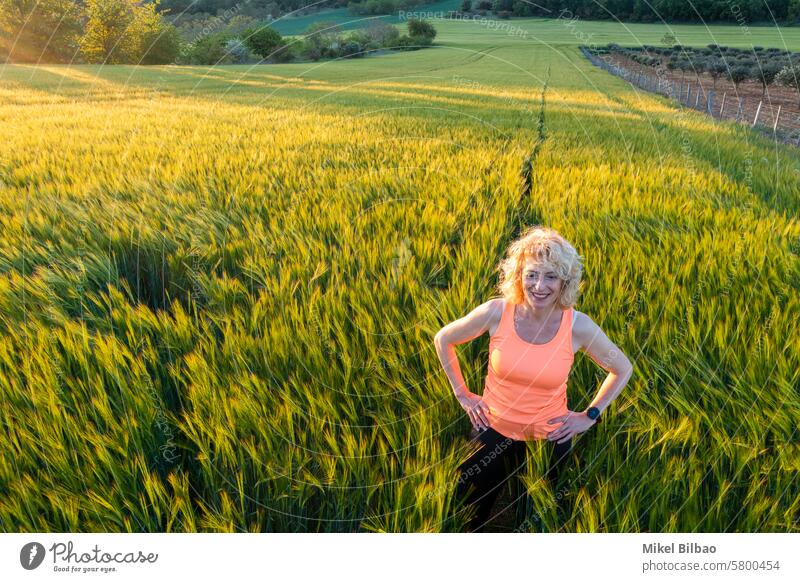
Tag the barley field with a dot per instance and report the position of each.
(220, 288)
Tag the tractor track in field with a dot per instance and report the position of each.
(470, 59)
(479, 55)
(512, 508)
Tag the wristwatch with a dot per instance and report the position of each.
(594, 413)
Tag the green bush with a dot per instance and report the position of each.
(237, 52)
(380, 34)
(737, 74)
(765, 74)
(210, 50)
(287, 52)
(361, 37)
(407, 43)
(351, 49)
(716, 68)
(421, 29)
(322, 39)
(262, 41)
(161, 45)
(789, 76)
(373, 7)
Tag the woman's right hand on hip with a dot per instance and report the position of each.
(475, 408)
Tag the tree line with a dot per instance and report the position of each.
(121, 31)
(91, 31)
(136, 32)
(739, 11)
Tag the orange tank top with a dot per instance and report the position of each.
(526, 384)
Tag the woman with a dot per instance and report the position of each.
(534, 333)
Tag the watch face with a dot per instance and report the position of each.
(593, 413)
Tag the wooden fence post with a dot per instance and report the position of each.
(740, 110)
(777, 117)
(697, 98)
(710, 103)
(722, 109)
(758, 110)
(688, 95)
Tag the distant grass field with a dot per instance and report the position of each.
(220, 289)
(554, 31)
(293, 25)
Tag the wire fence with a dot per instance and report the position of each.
(781, 119)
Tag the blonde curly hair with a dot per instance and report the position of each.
(549, 247)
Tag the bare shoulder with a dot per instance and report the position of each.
(583, 328)
(485, 317)
(496, 306)
(589, 337)
(495, 312)
(490, 311)
(580, 321)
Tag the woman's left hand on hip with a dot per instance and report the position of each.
(573, 423)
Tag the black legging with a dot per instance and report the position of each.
(488, 469)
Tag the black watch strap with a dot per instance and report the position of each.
(593, 413)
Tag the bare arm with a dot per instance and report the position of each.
(472, 325)
(606, 355)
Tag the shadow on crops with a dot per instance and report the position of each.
(47, 79)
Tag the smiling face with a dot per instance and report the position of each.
(540, 284)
